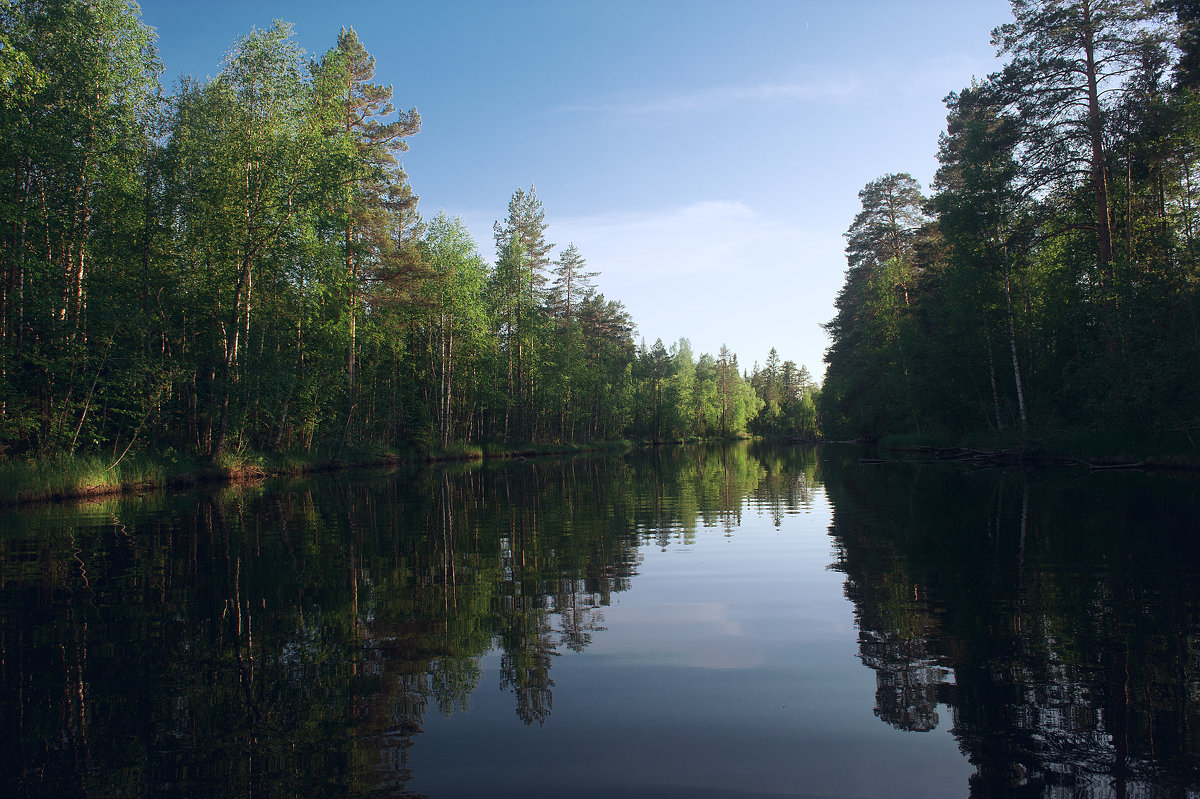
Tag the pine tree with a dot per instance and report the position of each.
(572, 284)
(522, 254)
(1070, 59)
(377, 204)
(875, 305)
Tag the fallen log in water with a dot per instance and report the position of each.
(1030, 456)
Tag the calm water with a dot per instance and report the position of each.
(746, 621)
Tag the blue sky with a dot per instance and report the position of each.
(705, 157)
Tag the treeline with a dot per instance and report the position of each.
(242, 266)
(1052, 281)
(683, 397)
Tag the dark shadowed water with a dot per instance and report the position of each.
(741, 621)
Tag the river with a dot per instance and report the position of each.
(746, 620)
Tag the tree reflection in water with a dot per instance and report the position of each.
(293, 640)
(1056, 615)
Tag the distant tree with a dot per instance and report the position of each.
(804, 381)
(572, 283)
(658, 368)
(789, 379)
(680, 391)
(607, 332)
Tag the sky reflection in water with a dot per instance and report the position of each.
(731, 665)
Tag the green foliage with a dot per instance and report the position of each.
(240, 268)
(1050, 290)
(872, 355)
(788, 400)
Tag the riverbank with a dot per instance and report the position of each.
(1159, 450)
(73, 477)
(69, 477)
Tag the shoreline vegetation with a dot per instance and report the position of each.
(1108, 451)
(66, 478)
(1033, 458)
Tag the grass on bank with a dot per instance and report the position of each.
(63, 476)
(66, 476)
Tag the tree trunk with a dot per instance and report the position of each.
(995, 391)
(19, 288)
(147, 228)
(1012, 342)
(352, 270)
(449, 417)
(1096, 137)
(229, 362)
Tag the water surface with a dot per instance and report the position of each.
(728, 621)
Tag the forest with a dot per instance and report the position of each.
(1049, 283)
(240, 266)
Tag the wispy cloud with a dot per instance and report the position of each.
(717, 272)
(929, 73)
(696, 238)
(826, 88)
